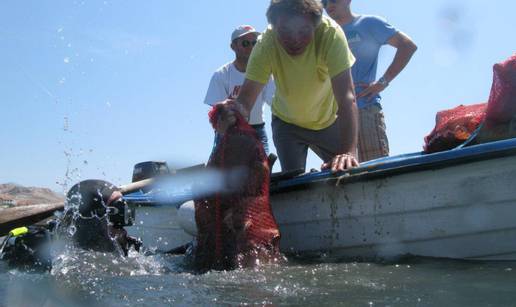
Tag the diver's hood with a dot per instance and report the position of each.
(88, 199)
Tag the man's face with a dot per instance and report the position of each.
(244, 45)
(294, 32)
(335, 8)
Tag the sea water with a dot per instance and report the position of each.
(85, 278)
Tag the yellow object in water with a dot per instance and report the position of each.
(19, 231)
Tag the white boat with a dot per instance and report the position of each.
(458, 204)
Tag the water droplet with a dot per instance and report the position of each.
(72, 230)
(66, 127)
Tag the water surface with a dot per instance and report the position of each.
(88, 278)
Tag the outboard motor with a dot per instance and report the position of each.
(150, 169)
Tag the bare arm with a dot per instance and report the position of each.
(244, 104)
(344, 93)
(248, 94)
(405, 50)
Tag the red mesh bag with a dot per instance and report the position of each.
(454, 126)
(237, 228)
(502, 100)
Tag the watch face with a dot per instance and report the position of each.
(382, 81)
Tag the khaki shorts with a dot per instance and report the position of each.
(372, 136)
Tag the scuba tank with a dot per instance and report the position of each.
(27, 248)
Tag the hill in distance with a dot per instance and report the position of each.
(28, 195)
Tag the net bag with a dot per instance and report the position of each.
(500, 123)
(501, 107)
(453, 127)
(236, 228)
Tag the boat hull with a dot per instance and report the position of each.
(459, 204)
(158, 227)
(466, 211)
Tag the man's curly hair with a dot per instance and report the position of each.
(312, 8)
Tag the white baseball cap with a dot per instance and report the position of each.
(242, 30)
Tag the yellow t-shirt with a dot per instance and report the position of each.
(304, 95)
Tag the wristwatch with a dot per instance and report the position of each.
(383, 81)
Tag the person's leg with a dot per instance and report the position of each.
(291, 149)
(326, 143)
(372, 136)
(262, 136)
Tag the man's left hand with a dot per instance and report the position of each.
(371, 90)
(341, 162)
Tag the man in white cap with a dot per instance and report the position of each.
(227, 80)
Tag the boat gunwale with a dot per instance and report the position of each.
(413, 163)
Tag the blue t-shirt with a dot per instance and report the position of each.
(366, 34)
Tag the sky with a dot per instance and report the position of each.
(90, 88)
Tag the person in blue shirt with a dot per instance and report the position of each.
(366, 34)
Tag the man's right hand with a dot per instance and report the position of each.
(341, 162)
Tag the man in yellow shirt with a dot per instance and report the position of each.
(314, 105)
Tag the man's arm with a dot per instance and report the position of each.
(244, 104)
(269, 91)
(248, 94)
(405, 50)
(344, 93)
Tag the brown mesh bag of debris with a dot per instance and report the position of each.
(453, 127)
(236, 228)
(501, 107)
(501, 110)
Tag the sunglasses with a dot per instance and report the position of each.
(325, 2)
(246, 43)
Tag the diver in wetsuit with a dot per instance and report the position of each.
(98, 214)
(27, 248)
(95, 217)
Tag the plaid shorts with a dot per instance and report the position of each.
(372, 138)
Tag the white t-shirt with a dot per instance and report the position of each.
(226, 82)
